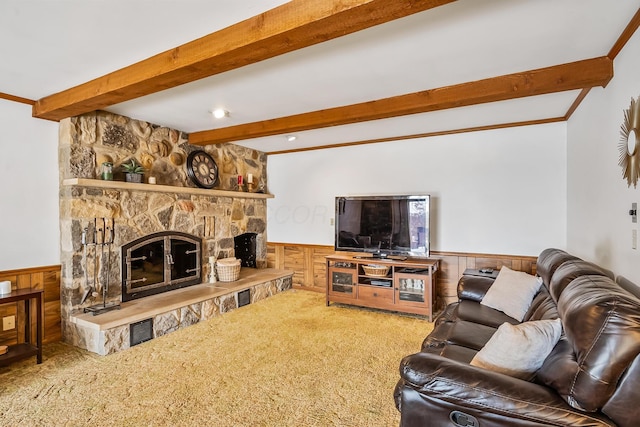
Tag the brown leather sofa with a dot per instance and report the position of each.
(591, 377)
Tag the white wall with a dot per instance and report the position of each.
(599, 199)
(500, 191)
(28, 189)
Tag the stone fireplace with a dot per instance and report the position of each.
(145, 216)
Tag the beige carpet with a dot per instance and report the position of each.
(285, 361)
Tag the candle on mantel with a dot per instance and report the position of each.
(250, 178)
(152, 180)
(239, 179)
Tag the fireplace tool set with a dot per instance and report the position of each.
(103, 233)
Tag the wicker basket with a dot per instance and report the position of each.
(228, 269)
(376, 270)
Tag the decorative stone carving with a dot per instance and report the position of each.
(146, 160)
(168, 174)
(174, 136)
(82, 160)
(160, 148)
(119, 137)
(177, 159)
(103, 158)
(141, 129)
(88, 128)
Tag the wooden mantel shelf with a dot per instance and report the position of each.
(120, 185)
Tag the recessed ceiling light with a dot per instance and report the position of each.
(291, 138)
(219, 113)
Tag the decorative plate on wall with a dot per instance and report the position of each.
(629, 145)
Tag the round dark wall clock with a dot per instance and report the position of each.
(629, 145)
(202, 169)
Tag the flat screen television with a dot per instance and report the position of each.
(383, 225)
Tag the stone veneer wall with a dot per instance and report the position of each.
(88, 140)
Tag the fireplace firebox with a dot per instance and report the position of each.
(160, 262)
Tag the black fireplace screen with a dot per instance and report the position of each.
(160, 262)
(245, 249)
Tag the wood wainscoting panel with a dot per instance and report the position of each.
(309, 266)
(294, 259)
(307, 262)
(47, 278)
(320, 266)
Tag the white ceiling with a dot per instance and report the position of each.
(52, 45)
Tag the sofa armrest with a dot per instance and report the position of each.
(474, 288)
(432, 387)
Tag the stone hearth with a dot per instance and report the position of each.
(110, 332)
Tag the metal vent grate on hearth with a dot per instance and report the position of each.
(140, 332)
(244, 297)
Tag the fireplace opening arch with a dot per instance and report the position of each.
(160, 262)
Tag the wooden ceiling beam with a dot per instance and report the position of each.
(576, 75)
(422, 135)
(627, 33)
(291, 26)
(14, 98)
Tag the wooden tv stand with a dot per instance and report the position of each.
(408, 286)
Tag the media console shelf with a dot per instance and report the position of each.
(408, 286)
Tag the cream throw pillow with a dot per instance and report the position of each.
(512, 293)
(520, 350)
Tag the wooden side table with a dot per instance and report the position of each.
(27, 348)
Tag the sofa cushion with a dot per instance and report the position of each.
(447, 315)
(623, 406)
(570, 270)
(466, 334)
(602, 327)
(470, 334)
(549, 260)
(542, 307)
(512, 293)
(473, 288)
(519, 350)
(453, 352)
(482, 314)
